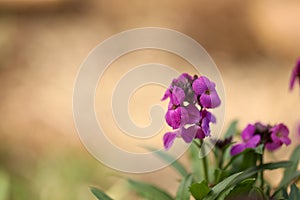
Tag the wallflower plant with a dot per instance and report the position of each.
(233, 170)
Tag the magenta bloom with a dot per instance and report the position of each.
(177, 117)
(271, 137)
(176, 95)
(168, 139)
(295, 75)
(207, 118)
(250, 140)
(279, 136)
(187, 114)
(207, 94)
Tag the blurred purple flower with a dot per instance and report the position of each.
(298, 130)
(207, 94)
(295, 75)
(279, 136)
(250, 140)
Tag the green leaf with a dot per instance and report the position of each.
(241, 189)
(222, 186)
(148, 191)
(259, 149)
(169, 159)
(291, 172)
(200, 190)
(232, 129)
(236, 178)
(100, 194)
(244, 160)
(295, 193)
(4, 185)
(217, 175)
(183, 192)
(197, 167)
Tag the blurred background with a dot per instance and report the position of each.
(255, 44)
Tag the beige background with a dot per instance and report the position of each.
(255, 44)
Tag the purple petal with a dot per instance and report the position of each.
(253, 142)
(168, 139)
(184, 78)
(188, 134)
(166, 95)
(211, 100)
(202, 84)
(177, 96)
(273, 146)
(205, 101)
(207, 118)
(286, 140)
(280, 132)
(204, 114)
(194, 113)
(248, 132)
(200, 134)
(295, 75)
(238, 148)
(177, 118)
(205, 127)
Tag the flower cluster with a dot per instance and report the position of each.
(188, 115)
(255, 134)
(295, 75)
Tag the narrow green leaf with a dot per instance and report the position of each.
(200, 190)
(217, 175)
(183, 192)
(241, 189)
(197, 167)
(222, 186)
(169, 159)
(148, 191)
(295, 193)
(291, 172)
(240, 176)
(100, 194)
(4, 185)
(232, 129)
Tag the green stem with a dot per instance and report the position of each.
(262, 181)
(204, 159)
(231, 161)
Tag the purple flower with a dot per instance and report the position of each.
(194, 114)
(168, 139)
(206, 119)
(279, 136)
(177, 117)
(184, 114)
(295, 75)
(176, 95)
(250, 140)
(207, 94)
